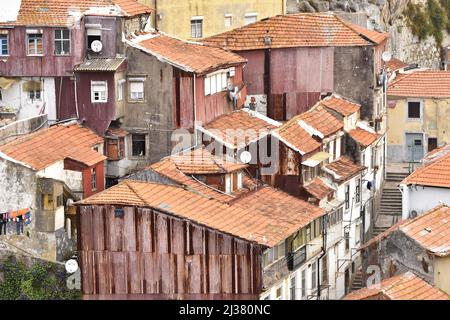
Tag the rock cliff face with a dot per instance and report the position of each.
(382, 15)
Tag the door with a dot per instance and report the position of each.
(414, 147)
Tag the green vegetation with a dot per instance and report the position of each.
(431, 20)
(43, 281)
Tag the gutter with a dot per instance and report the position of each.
(324, 241)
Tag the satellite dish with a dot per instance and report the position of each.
(71, 266)
(245, 157)
(413, 214)
(386, 56)
(96, 46)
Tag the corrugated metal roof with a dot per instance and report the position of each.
(100, 64)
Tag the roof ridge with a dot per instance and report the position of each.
(425, 167)
(351, 27)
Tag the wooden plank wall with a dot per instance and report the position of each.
(148, 252)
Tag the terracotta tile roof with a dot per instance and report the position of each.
(422, 84)
(322, 121)
(132, 7)
(435, 174)
(318, 188)
(47, 146)
(341, 105)
(200, 161)
(374, 36)
(395, 64)
(363, 137)
(289, 212)
(239, 128)
(263, 225)
(167, 168)
(436, 154)
(64, 12)
(430, 230)
(343, 169)
(405, 286)
(179, 53)
(293, 30)
(295, 137)
(117, 132)
(100, 64)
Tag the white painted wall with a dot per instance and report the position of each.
(422, 198)
(15, 98)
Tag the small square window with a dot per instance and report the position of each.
(99, 91)
(228, 20)
(138, 145)
(196, 28)
(118, 212)
(251, 18)
(136, 90)
(414, 110)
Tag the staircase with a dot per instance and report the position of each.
(391, 203)
(357, 282)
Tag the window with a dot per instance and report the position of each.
(309, 173)
(62, 42)
(299, 240)
(138, 145)
(414, 110)
(357, 233)
(347, 239)
(228, 183)
(228, 20)
(34, 95)
(4, 51)
(1, 97)
(278, 293)
(35, 44)
(217, 82)
(92, 35)
(94, 179)
(308, 233)
(347, 196)
(136, 90)
(250, 18)
(274, 254)
(303, 284)
(358, 191)
(325, 269)
(99, 91)
(292, 288)
(120, 89)
(59, 200)
(240, 183)
(314, 276)
(196, 27)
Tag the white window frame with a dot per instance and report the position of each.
(207, 86)
(228, 183)
(7, 43)
(195, 23)
(35, 33)
(62, 41)
(228, 20)
(240, 180)
(120, 86)
(407, 110)
(130, 95)
(250, 15)
(98, 83)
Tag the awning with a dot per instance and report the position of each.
(316, 159)
(32, 86)
(5, 83)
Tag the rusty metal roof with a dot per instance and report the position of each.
(100, 64)
(405, 286)
(266, 223)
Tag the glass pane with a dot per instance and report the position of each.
(65, 34)
(58, 47)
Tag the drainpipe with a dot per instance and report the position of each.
(195, 111)
(324, 244)
(76, 96)
(156, 15)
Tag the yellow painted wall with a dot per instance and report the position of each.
(442, 273)
(436, 121)
(176, 14)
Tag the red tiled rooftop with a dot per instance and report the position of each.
(132, 7)
(430, 230)
(322, 121)
(374, 36)
(47, 146)
(318, 189)
(363, 137)
(436, 154)
(341, 105)
(395, 64)
(434, 174)
(295, 137)
(422, 84)
(294, 30)
(180, 53)
(405, 286)
(251, 219)
(343, 169)
(240, 127)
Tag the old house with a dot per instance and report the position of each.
(139, 228)
(295, 60)
(198, 19)
(420, 245)
(406, 286)
(43, 42)
(426, 187)
(166, 90)
(45, 171)
(418, 114)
